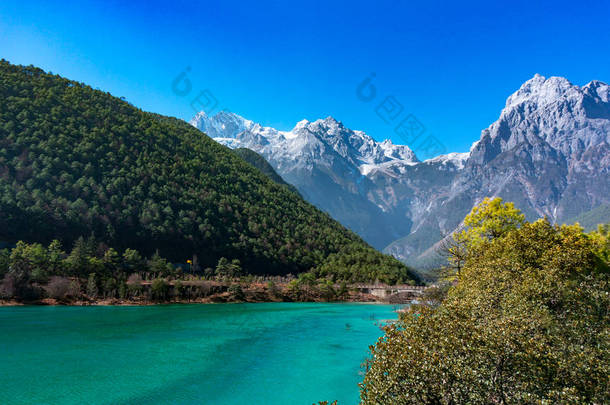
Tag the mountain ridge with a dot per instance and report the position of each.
(547, 151)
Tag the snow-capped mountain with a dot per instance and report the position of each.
(548, 152)
(355, 146)
(327, 162)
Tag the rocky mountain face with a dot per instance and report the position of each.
(548, 152)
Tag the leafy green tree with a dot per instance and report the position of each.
(112, 261)
(294, 289)
(110, 287)
(56, 257)
(22, 264)
(601, 241)
(160, 266)
(328, 291)
(528, 322)
(29, 262)
(492, 218)
(122, 290)
(78, 260)
(5, 256)
(132, 260)
(231, 269)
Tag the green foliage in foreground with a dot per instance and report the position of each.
(76, 161)
(527, 322)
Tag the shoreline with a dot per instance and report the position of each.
(209, 292)
(365, 299)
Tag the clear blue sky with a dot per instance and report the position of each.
(452, 65)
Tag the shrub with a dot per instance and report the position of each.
(58, 287)
(236, 292)
(159, 288)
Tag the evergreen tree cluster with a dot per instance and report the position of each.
(30, 271)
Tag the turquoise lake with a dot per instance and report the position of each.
(270, 353)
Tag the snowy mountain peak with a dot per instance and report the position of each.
(542, 91)
(549, 112)
(548, 151)
(328, 124)
(454, 158)
(223, 124)
(301, 124)
(323, 140)
(597, 89)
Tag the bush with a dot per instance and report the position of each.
(272, 288)
(158, 289)
(236, 292)
(58, 287)
(178, 289)
(7, 287)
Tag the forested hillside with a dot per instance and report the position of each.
(75, 162)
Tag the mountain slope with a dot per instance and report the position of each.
(75, 161)
(591, 219)
(548, 152)
(261, 164)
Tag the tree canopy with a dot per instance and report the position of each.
(527, 321)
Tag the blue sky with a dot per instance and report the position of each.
(451, 65)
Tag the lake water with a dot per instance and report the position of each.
(271, 353)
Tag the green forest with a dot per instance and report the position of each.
(79, 164)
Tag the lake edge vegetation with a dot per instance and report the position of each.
(522, 317)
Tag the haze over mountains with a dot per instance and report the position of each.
(548, 152)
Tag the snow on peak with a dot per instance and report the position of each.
(223, 124)
(542, 91)
(567, 117)
(300, 124)
(323, 136)
(598, 89)
(455, 158)
(400, 152)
